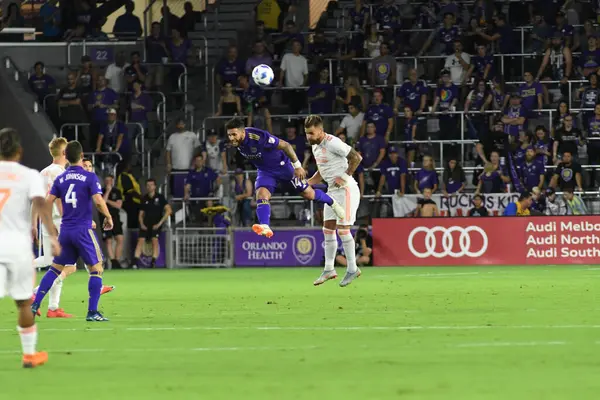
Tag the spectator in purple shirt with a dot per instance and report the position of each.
(40, 82)
(454, 178)
(427, 177)
(371, 147)
(201, 181)
(393, 174)
(531, 93)
(319, 49)
(298, 143)
(230, 67)
(515, 116)
(321, 95)
(179, 50)
(102, 99)
(387, 15)
(564, 28)
(259, 56)
(412, 93)
(381, 115)
(140, 104)
(531, 170)
(113, 136)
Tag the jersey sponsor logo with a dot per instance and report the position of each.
(304, 248)
(253, 136)
(251, 156)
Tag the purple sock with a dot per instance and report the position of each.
(263, 211)
(323, 197)
(94, 289)
(46, 284)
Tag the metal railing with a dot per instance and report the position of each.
(94, 156)
(138, 141)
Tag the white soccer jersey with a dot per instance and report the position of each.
(331, 156)
(331, 159)
(49, 174)
(18, 186)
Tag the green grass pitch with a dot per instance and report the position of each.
(395, 333)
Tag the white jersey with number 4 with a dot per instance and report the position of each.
(49, 174)
(331, 156)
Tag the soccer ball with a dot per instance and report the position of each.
(263, 75)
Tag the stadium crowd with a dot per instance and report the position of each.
(484, 97)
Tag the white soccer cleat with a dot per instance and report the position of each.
(325, 276)
(338, 210)
(262, 230)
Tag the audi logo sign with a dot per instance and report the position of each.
(440, 234)
(486, 241)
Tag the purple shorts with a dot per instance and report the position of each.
(270, 179)
(78, 242)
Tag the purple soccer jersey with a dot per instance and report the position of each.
(75, 188)
(260, 148)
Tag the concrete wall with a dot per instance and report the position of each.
(17, 112)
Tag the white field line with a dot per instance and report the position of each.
(512, 344)
(426, 275)
(314, 328)
(196, 349)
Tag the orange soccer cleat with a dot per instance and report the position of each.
(58, 313)
(35, 360)
(106, 289)
(263, 230)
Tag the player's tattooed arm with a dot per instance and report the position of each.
(288, 150)
(354, 160)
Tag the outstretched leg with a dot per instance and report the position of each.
(320, 196)
(263, 212)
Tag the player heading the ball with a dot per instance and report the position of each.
(336, 162)
(276, 162)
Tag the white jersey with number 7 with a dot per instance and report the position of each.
(18, 186)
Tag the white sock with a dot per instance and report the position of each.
(28, 339)
(331, 246)
(54, 295)
(349, 249)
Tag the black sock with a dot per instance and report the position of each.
(153, 262)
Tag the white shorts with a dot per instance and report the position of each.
(17, 276)
(47, 246)
(349, 198)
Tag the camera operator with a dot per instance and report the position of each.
(364, 248)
